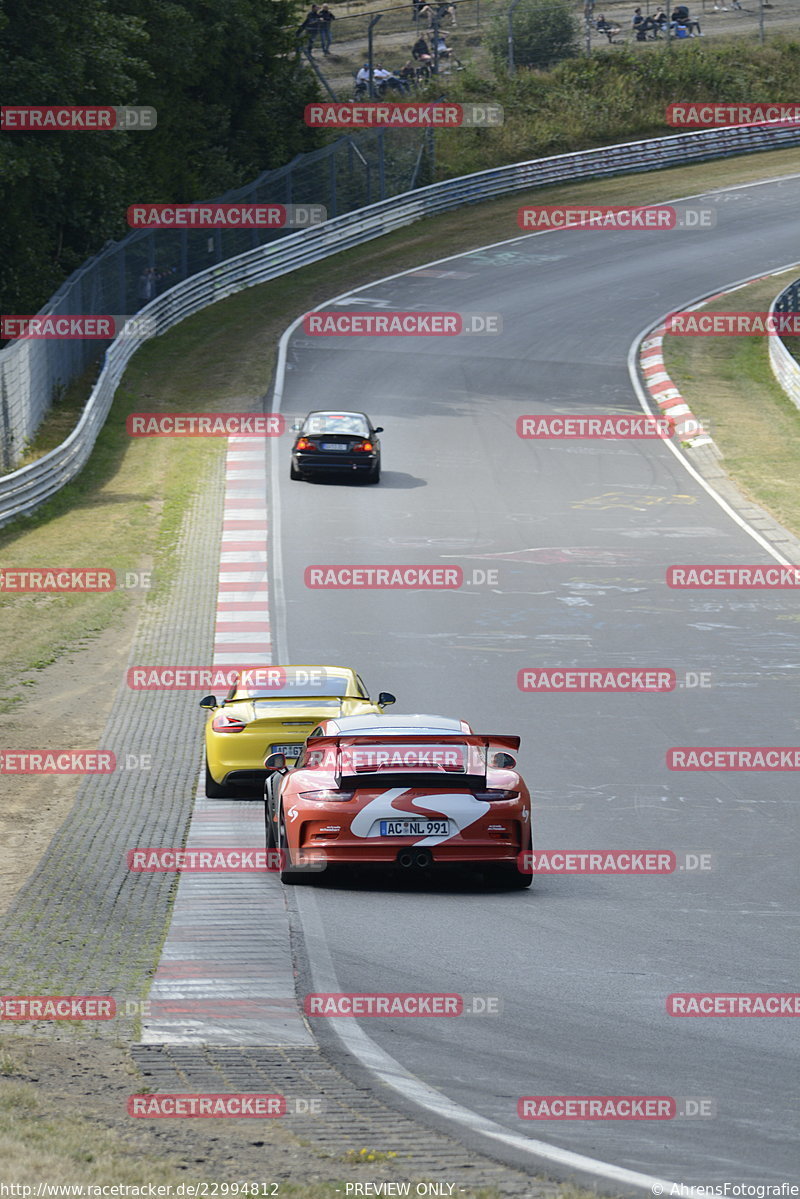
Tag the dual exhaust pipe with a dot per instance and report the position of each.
(421, 858)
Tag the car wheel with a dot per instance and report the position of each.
(215, 790)
(508, 875)
(269, 826)
(374, 475)
(294, 473)
(292, 877)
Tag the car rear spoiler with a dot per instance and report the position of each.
(344, 748)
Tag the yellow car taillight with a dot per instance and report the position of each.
(223, 723)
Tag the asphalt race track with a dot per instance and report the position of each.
(580, 534)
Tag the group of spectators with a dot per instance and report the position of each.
(422, 62)
(659, 22)
(679, 23)
(435, 13)
(318, 23)
(383, 80)
(319, 20)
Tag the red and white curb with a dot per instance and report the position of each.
(242, 635)
(666, 395)
(226, 975)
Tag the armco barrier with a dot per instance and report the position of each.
(22, 491)
(785, 367)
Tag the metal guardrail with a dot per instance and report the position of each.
(785, 366)
(27, 488)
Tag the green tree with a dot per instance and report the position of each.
(229, 90)
(545, 32)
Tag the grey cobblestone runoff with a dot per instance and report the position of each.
(347, 1118)
(83, 924)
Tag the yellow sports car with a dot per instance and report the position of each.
(271, 710)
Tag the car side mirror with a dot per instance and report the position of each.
(276, 762)
(297, 426)
(378, 429)
(209, 701)
(385, 699)
(503, 761)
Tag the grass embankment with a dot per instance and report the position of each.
(729, 385)
(585, 103)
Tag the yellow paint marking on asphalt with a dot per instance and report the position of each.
(619, 499)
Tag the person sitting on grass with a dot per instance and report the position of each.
(641, 25)
(603, 26)
(420, 51)
(680, 16)
(389, 80)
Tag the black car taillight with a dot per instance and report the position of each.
(304, 444)
(363, 447)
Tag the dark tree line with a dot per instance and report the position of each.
(229, 90)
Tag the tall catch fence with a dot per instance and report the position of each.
(351, 173)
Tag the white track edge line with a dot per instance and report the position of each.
(389, 1071)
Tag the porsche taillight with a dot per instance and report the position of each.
(223, 723)
(496, 796)
(326, 796)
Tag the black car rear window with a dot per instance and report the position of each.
(346, 423)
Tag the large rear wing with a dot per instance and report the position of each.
(460, 759)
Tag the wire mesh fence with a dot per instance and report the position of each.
(350, 173)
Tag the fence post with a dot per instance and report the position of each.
(332, 183)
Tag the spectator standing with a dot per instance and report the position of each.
(147, 285)
(326, 18)
(311, 27)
